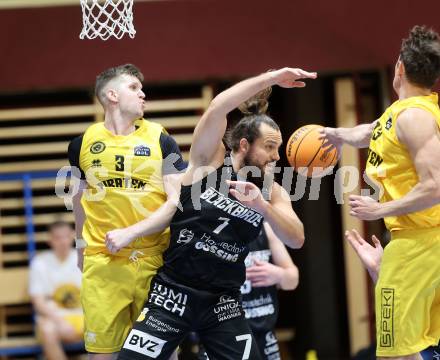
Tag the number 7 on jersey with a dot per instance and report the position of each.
(222, 225)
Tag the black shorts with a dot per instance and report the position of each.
(268, 345)
(431, 353)
(172, 311)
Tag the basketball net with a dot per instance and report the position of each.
(106, 18)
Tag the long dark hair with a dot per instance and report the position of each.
(254, 111)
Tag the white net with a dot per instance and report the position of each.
(106, 18)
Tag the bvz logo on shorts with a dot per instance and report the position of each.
(97, 147)
(144, 343)
(142, 150)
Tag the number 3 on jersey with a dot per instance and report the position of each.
(222, 225)
(119, 163)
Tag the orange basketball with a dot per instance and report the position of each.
(305, 154)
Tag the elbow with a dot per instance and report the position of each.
(298, 238)
(215, 103)
(432, 189)
(293, 282)
(300, 241)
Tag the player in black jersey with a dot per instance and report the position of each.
(268, 267)
(198, 288)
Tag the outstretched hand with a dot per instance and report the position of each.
(290, 78)
(331, 140)
(370, 256)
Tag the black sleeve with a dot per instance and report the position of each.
(173, 162)
(73, 153)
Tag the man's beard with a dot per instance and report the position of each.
(260, 175)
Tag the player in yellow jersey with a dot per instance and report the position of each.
(404, 159)
(126, 165)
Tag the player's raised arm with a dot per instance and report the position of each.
(208, 134)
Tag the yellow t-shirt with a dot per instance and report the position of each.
(389, 163)
(124, 184)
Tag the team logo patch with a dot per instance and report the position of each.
(185, 236)
(96, 163)
(225, 299)
(227, 308)
(90, 337)
(144, 343)
(389, 124)
(142, 150)
(97, 147)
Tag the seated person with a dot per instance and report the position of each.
(54, 287)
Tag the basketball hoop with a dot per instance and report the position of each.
(106, 18)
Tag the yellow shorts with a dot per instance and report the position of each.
(113, 292)
(408, 293)
(77, 322)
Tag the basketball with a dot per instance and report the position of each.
(305, 153)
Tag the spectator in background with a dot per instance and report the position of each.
(54, 287)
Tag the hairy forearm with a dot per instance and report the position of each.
(289, 279)
(288, 229)
(424, 195)
(358, 136)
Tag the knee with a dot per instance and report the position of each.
(47, 330)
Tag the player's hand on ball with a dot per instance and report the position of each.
(364, 207)
(263, 274)
(331, 140)
(248, 194)
(117, 239)
(288, 77)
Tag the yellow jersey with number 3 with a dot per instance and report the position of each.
(389, 163)
(124, 184)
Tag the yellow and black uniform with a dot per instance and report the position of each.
(124, 186)
(408, 288)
